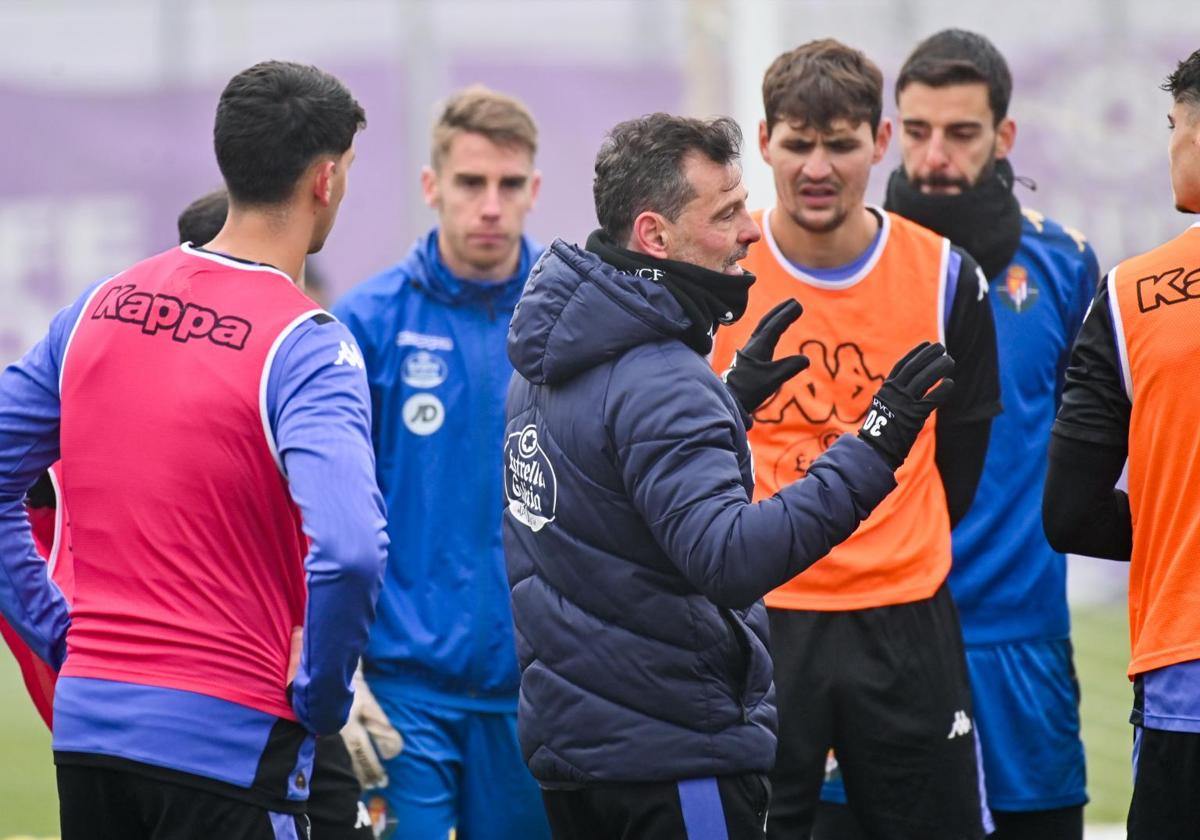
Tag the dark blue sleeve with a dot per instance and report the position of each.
(1095, 407)
(676, 440)
(29, 424)
(320, 415)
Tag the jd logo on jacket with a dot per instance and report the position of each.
(423, 414)
(529, 481)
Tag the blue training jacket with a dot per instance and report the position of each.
(1008, 583)
(636, 558)
(434, 350)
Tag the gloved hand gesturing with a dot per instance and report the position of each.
(901, 406)
(755, 375)
(369, 736)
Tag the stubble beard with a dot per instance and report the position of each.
(831, 224)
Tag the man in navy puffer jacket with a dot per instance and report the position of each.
(635, 556)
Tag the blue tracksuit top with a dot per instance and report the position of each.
(433, 345)
(1008, 583)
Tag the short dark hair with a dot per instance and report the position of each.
(203, 219)
(820, 82)
(1184, 83)
(273, 120)
(959, 57)
(640, 166)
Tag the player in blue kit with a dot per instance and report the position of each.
(1009, 585)
(441, 659)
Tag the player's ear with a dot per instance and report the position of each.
(535, 186)
(323, 181)
(883, 136)
(764, 142)
(1006, 137)
(429, 187)
(650, 235)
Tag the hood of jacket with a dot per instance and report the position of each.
(431, 276)
(578, 312)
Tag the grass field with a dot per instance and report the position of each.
(28, 803)
(1101, 637)
(28, 799)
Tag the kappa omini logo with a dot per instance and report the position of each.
(349, 354)
(423, 369)
(364, 816)
(960, 726)
(423, 414)
(838, 388)
(833, 396)
(529, 481)
(982, 287)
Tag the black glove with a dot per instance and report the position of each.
(753, 376)
(900, 408)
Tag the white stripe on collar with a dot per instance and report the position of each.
(804, 277)
(192, 250)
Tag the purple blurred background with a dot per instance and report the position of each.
(108, 109)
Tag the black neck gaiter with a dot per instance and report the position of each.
(984, 220)
(708, 298)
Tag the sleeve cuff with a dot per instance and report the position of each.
(1104, 437)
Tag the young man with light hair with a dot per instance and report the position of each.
(441, 660)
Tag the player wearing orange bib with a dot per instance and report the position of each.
(1131, 392)
(866, 643)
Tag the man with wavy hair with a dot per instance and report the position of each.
(866, 644)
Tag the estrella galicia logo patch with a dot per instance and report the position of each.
(423, 369)
(1018, 292)
(529, 481)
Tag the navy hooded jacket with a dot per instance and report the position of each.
(636, 559)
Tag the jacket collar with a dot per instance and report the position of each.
(437, 281)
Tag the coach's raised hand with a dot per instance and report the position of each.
(904, 402)
(755, 374)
